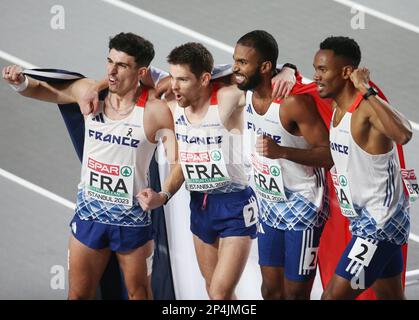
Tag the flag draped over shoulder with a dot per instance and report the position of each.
(336, 234)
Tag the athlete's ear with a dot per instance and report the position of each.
(205, 78)
(142, 72)
(346, 71)
(266, 67)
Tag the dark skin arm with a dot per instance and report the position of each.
(381, 116)
(299, 116)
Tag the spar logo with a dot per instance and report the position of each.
(126, 171)
(408, 174)
(275, 171)
(103, 167)
(343, 181)
(196, 157)
(260, 166)
(216, 155)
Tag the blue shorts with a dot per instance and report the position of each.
(223, 215)
(295, 251)
(98, 235)
(366, 260)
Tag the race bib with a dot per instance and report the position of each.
(268, 179)
(250, 212)
(361, 254)
(362, 251)
(341, 185)
(310, 258)
(109, 183)
(409, 179)
(204, 170)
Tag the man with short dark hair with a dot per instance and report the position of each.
(363, 136)
(289, 148)
(208, 131)
(120, 140)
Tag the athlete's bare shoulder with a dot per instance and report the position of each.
(299, 106)
(231, 97)
(157, 116)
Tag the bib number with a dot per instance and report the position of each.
(250, 213)
(341, 186)
(109, 183)
(411, 184)
(310, 258)
(362, 251)
(268, 179)
(204, 170)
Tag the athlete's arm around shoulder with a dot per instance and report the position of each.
(301, 112)
(231, 101)
(159, 124)
(57, 93)
(383, 117)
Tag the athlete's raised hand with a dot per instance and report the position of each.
(360, 77)
(13, 74)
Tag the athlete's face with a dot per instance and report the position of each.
(123, 72)
(330, 73)
(186, 86)
(246, 67)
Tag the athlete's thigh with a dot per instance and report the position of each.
(134, 266)
(232, 257)
(86, 266)
(340, 288)
(207, 256)
(389, 288)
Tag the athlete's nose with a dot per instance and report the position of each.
(174, 84)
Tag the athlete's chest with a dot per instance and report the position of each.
(127, 132)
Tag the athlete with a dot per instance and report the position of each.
(119, 143)
(288, 147)
(363, 136)
(207, 245)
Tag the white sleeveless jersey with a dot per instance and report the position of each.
(305, 203)
(375, 185)
(115, 168)
(211, 156)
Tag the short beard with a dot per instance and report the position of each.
(253, 82)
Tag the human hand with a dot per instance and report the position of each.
(360, 77)
(89, 101)
(267, 147)
(13, 74)
(283, 83)
(150, 199)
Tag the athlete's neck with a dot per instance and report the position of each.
(263, 91)
(262, 96)
(200, 105)
(126, 100)
(346, 97)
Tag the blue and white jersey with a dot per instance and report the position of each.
(291, 196)
(373, 186)
(210, 155)
(115, 168)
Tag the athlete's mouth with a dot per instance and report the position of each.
(239, 78)
(112, 80)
